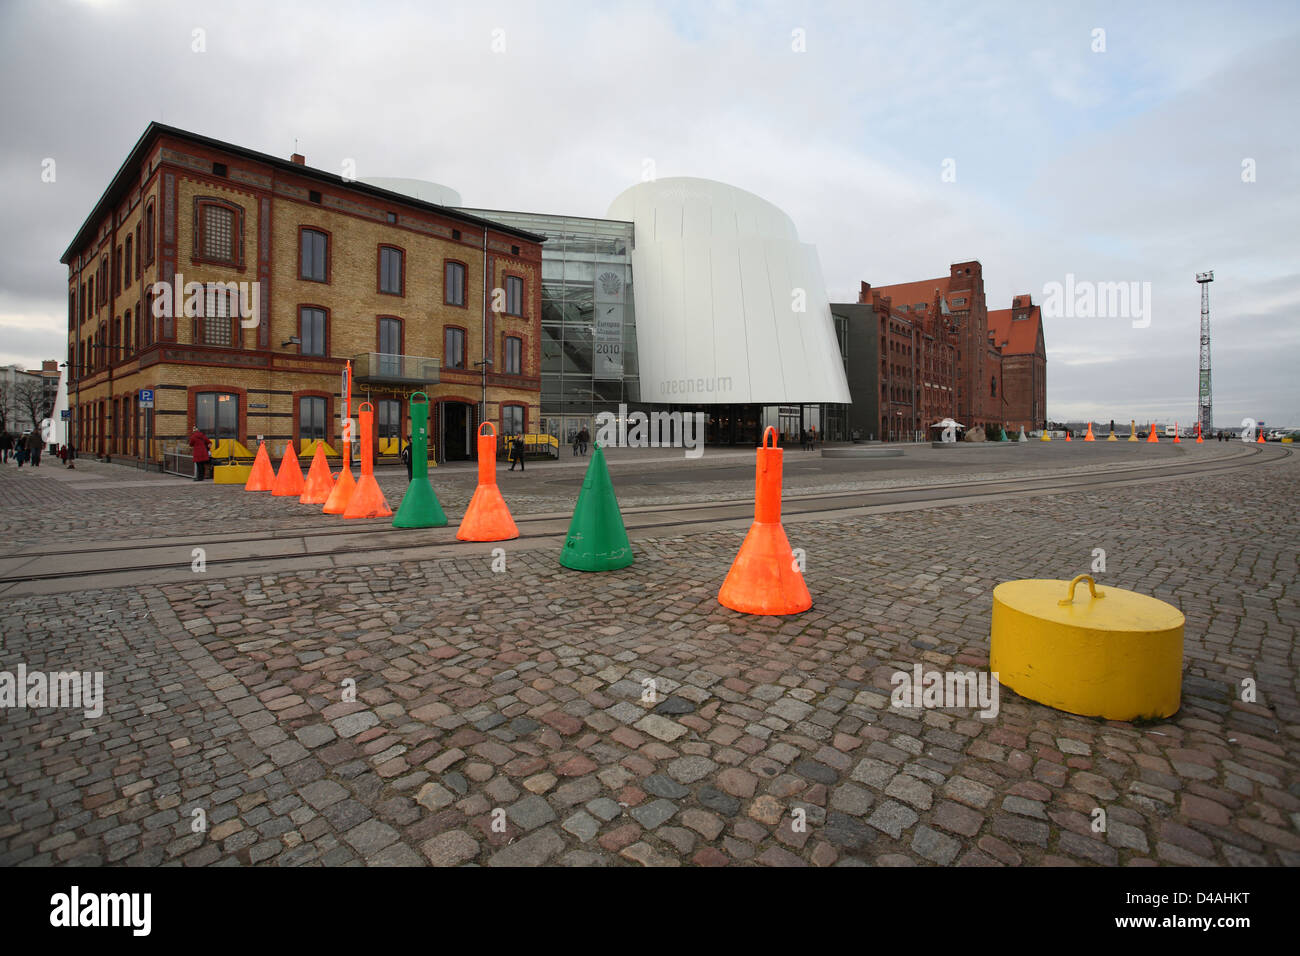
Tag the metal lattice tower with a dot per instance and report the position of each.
(1205, 403)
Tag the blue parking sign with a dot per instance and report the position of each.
(146, 398)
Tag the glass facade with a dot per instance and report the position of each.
(589, 355)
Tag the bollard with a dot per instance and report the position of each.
(597, 539)
(320, 482)
(420, 507)
(262, 477)
(1152, 439)
(368, 500)
(765, 577)
(1088, 437)
(487, 518)
(288, 481)
(344, 485)
(1116, 654)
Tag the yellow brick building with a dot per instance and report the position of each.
(298, 271)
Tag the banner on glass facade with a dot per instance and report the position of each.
(607, 362)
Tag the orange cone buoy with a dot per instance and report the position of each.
(368, 500)
(1152, 437)
(1177, 440)
(344, 486)
(1260, 439)
(262, 477)
(320, 481)
(1067, 435)
(288, 480)
(1088, 437)
(1199, 439)
(765, 577)
(487, 518)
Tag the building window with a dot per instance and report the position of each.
(126, 264)
(514, 355)
(218, 319)
(390, 271)
(390, 346)
(311, 418)
(311, 330)
(514, 295)
(127, 338)
(388, 418)
(454, 283)
(218, 234)
(993, 386)
(454, 348)
(512, 419)
(313, 256)
(148, 234)
(216, 414)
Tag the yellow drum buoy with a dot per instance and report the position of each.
(1117, 654)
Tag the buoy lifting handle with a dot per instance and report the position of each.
(1092, 587)
(487, 425)
(363, 406)
(770, 430)
(423, 395)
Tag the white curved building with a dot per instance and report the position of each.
(421, 189)
(730, 306)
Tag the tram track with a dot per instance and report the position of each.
(268, 552)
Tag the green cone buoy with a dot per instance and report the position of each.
(597, 540)
(419, 507)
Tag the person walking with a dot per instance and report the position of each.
(577, 441)
(34, 447)
(199, 445)
(20, 450)
(517, 452)
(6, 446)
(584, 436)
(406, 458)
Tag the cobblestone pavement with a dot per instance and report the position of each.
(98, 502)
(516, 699)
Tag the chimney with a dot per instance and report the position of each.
(298, 158)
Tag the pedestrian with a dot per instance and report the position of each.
(406, 458)
(34, 447)
(6, 446)
(200, 446)
(517, 452)
(584, 436)
(812, 438)
(576, 443)
(803, 439)
(20, 450)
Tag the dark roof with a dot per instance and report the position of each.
(128, 173)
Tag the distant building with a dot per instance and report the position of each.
(22, 398)
(1018, 334)
(901, 367)
(939, 352)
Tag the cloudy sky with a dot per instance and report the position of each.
(1108, 142)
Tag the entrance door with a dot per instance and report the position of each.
(456, 431)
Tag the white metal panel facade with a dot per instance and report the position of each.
(717, 271)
